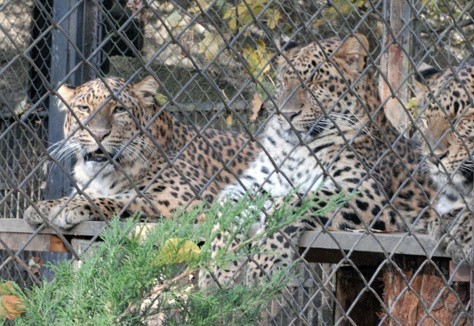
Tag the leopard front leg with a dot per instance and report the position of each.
(41, 211)
(329, 210)
(454, 231)
(229, 241)
(222, 276)
(66, 213)
(277, 251)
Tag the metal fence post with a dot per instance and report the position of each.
(74, 40)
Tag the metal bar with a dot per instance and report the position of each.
(57, 183)
(79, 22)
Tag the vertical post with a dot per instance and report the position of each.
(428, 299)
(78, 28)
(349, 285)
(472, 268)
(58, 183)
(394, 63)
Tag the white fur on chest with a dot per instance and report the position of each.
(301, 172)
(444, 205)
(291, 166)
(102, 185)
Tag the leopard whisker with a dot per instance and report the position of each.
(62, 151)
(135, 152)
(354, 122)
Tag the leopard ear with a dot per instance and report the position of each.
(146, 89)
(424, 77)
(353, 52)
(66, 93)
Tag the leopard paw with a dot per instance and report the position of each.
(33, 216)
(55, 213)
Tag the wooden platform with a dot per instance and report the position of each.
(362, 248)
(18, 235)
(364, 253)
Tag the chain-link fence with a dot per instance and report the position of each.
(235, 66)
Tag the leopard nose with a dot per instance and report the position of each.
(99, 134)
(436, 158)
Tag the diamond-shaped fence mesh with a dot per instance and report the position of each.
(373, 99)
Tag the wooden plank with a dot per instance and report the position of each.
(391, 243)
(358, 242)
(91, 228)
(16, 241)
(323, 247)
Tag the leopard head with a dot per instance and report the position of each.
(105, 122)
(319, 86)
(447, 125)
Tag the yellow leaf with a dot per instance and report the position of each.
(257, 59)
(274, 15)
(257, 106)
(229, 119)
(10, 304)
(243, 13)
(412, 106)
(230, 14)
(200, 4)
(177, 250)
(161, 98)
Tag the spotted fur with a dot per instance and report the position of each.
(330, 135)
(133, 157)
(447, 126)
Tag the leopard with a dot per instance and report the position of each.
(329, 135)
(446, 123)
(132, 157)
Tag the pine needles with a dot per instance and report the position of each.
(132, 278)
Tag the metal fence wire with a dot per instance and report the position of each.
(215, 65)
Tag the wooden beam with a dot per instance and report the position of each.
(362, 248)
(378, 243)
(16, 241)
(355, 242)
(8, 225)
(394, 63)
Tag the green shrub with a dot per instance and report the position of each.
(110, 285)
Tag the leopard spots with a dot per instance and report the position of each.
(133, 157)
(330, 135)
(446, 124)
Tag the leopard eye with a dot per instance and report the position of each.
(119, 109)
(83, 108)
